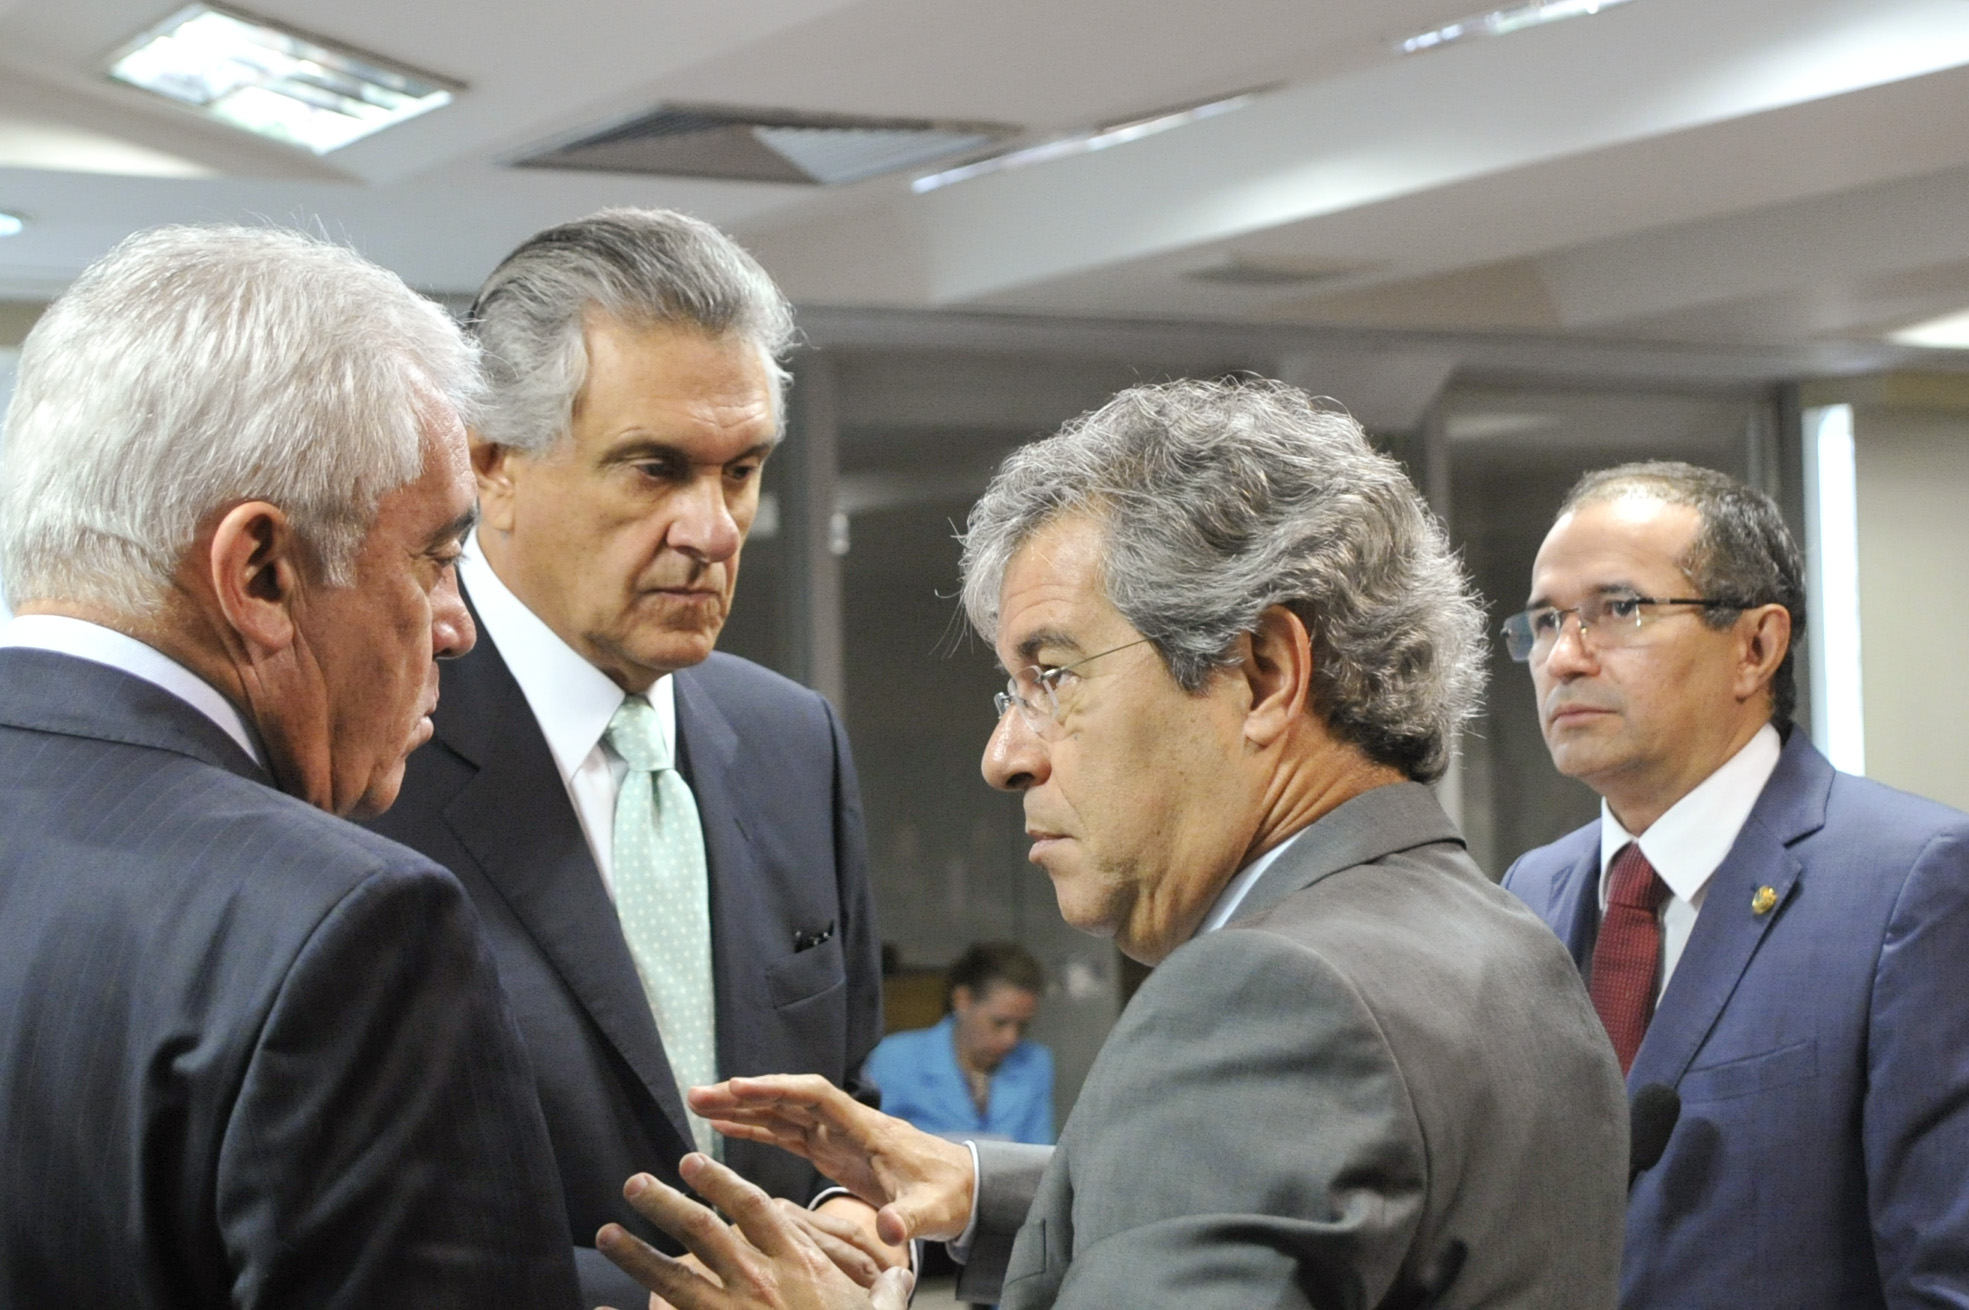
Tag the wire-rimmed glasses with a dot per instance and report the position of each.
(1613, 620)
(1035, 691)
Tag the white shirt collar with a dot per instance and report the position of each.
(1240, 886)
(571, 699)
(1687, 844)
(99, 645)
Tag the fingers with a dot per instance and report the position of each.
(749, 1208)
(892, 1290)
(702, 1232)
(835, 1238)
(774, 1093)
(656, 1271)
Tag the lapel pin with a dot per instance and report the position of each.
(1764, 901)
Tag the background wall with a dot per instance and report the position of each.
(1911, 445)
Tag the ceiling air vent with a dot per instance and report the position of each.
(766, 145)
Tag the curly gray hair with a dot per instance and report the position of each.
(1222, 499)
(640, 268)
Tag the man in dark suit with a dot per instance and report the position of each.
(1361, 1074)
(666, 843)
(1786, 946)
(250, 1054)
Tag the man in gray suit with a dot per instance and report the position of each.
(1361, 1075)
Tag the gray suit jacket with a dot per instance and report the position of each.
(1381, 1085)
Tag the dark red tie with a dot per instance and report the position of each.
(1627, 956)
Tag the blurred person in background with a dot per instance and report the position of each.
(975, 1074)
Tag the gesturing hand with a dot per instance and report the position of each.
(920, 1184)
(766, 1263)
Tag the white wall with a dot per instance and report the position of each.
(1913, 492)
(9, 356)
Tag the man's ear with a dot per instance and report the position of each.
(1764, 635)
(494, 467)
(1278, 670)
(255, 564)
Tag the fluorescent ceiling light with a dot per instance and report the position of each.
(280, 84)
(1081, 143)
(11, 224)
(1950, 332)
(1503, 22)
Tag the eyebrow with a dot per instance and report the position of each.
(1043, 639)
(1604, 589)
(642, 447)
(454, 530)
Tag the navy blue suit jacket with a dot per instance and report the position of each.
(250, 1055)
(794, 956)
(1821, 1050)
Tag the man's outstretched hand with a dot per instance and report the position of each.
(921, 1185)
(766, 1262)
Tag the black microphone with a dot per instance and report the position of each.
(1651, 1121)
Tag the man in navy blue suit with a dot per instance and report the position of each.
(665, 841)
(1784, 945)
(250, 1055)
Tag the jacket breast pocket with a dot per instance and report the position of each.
(1752, 1074)
(806, 974)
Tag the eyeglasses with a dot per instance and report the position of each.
(1035, 692)
(1613, 621)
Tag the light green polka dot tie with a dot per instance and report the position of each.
(663, 895)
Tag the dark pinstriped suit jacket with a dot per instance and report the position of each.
(250, 1055)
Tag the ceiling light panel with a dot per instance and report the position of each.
(11, 224)
(281, 84)
(1503, 22)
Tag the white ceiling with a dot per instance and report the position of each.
(1760, 171)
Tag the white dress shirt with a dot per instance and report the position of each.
(1687, 844)
(571, 700)
(100, 645)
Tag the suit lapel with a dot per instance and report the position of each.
(1575, 907)
(1729, 930)
(515, 819)
(707, 749)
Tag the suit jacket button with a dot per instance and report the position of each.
(1763, 901)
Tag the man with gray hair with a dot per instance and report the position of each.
(1361, 1074)
(666, 843)
(250, 1054)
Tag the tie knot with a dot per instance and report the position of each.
(1634, 882)
(637, 738)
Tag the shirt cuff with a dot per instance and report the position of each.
(960, 1248)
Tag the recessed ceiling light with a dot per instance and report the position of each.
(1080, 143)
(1950, 332)
(1503, 22)
(11, 224)
(281, 84)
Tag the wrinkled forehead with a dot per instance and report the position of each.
(1052, 594)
